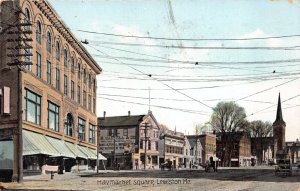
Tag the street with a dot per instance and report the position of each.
(231, 179)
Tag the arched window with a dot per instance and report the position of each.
(69, 125)
(72, 65)
(38, 32)
(65, 58)
(27, 20)
(57, 51)
(48, 46)
(84, 75)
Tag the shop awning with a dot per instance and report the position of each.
(100, 156)
(88, 152)
(76, 150)
(34, 143)
(61, 147)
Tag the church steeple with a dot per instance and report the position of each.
(279, 118)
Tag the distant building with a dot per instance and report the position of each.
(208, 143)
(123, 142)
(263, 149)
(238, 151)
(193, 151)
(171, 147)
(293, 149)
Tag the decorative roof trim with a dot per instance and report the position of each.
(61, 27)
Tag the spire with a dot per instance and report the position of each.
(279, 118)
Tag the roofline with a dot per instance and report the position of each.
(66, 33)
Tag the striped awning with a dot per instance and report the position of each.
(34, 143)
(88, 152)
(76, 151)
(61, 147)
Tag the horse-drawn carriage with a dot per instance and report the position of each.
(166, 165)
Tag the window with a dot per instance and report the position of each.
(57, 51)
(38, 32)
(110, 132)
(38, 65)
(32, 107)
(53, 116)
(92, 134)
(72, 89)
(65, 58)
(28, 59)
(27, 20)
(94, 105)
(141, 144)
(90, 80)
(79, 68)
(84, 99)
(69, 125)
(156, 145)
(149, 145)
(84, 75)
(94, 85)
(125, 132)
(78, 94)
(57, 84)
(90, 103)
(48, 46)
(72, 65)
(81, 129)
(65, 85)
(49, 72)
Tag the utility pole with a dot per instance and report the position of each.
(20, 56)
(145, 133)
(115, 134)
(98, 144)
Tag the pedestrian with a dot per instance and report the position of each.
(136, 164)
(212, 163)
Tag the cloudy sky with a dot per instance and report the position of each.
(192, 54)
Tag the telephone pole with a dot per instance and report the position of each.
(20, 54)
(145, 133)
(115, 134)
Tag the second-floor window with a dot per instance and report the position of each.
(57, 84)
(53, 116)
(38, 65)
(65, 85)
(92, 133)
(149, 145)
(49, 72)
(81, 129)
(125, 132)
(32, 107)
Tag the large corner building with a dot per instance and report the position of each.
(47, 92)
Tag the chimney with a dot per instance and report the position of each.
(128, 113)
(104, 113)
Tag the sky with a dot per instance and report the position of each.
(186, 56)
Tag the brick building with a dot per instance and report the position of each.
(237, 150)
(208, 142)
(49, 90)
(123, 142)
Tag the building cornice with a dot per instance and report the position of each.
(61, 27)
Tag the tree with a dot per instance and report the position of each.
(200, 128)
(259, 130)
(163, 128)
(227, 118)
